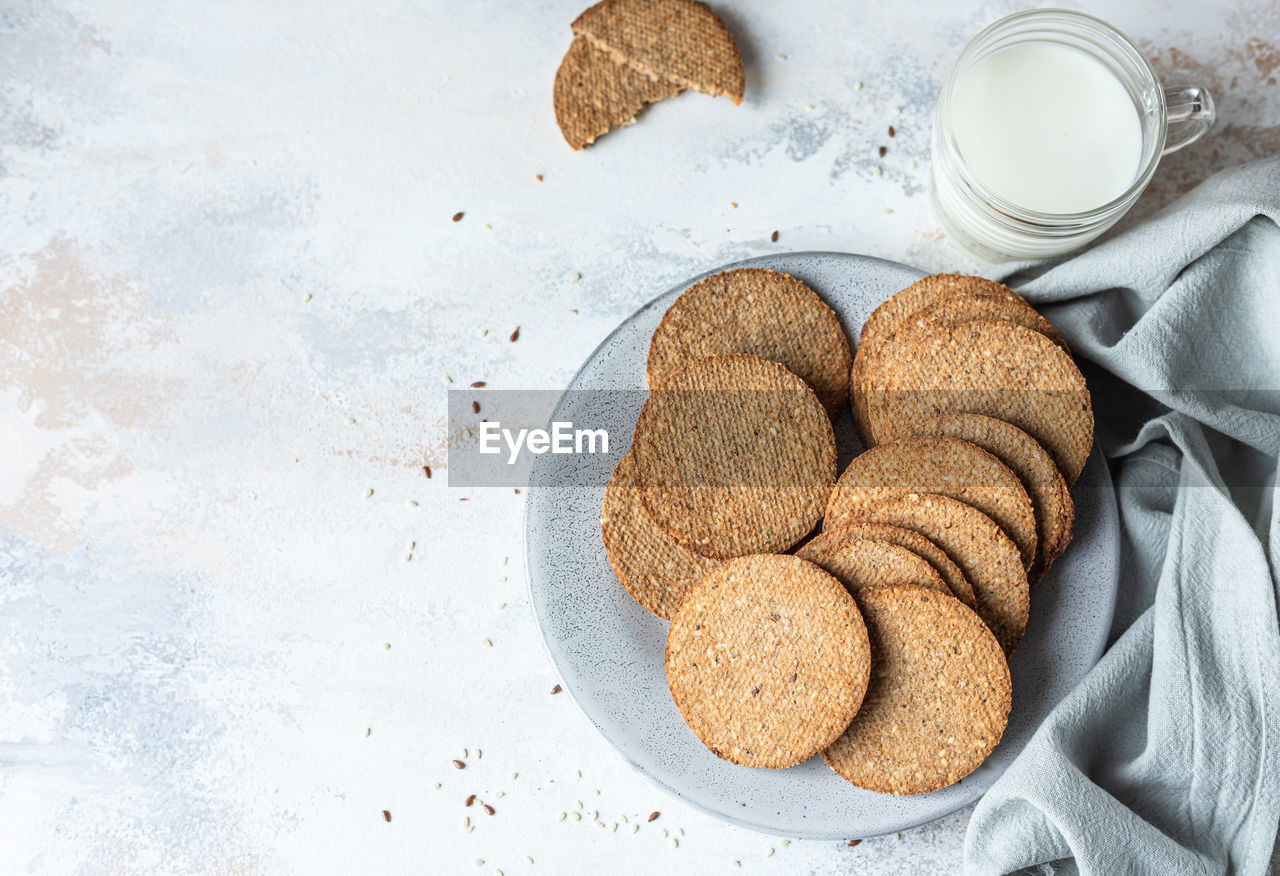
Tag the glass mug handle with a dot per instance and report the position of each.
(1191, 114)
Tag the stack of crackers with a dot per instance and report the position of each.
(869, 618)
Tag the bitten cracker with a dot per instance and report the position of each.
(1050, 497)
(761, 312)
(918, 545)
(864, 562)
(681, 41)
(989, 560)
(655, 570)
(594, 93)
(939, 696)
(767, 660)
(736, 456)
(948, 467)
(997, 369)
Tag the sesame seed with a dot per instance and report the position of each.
(350, 421)
(576, 816)
(538, 177)
(386, 646)
(897, 836)
(578, 773)
(735, 863)
(810, 107)
(623, 818)
(769, 853)
(369, 730)
(912, 165)
(634, 828)
(528, 860)
(502, 579)
(897, 110)
(578, 804)
(784, 842)
(595, 816)
(879, 170)
(457, 217)
(888, 210)
(479, 754)
(436, 787)
(447, 379)
(575, 277)
(857, 86)
(562, 816)
(479, 862)
(408, 557)
(500, 794)
(665, 834)
(483, 332)
(466, 822)
(680, 830)
(470, 827)
(368, 491)
(501, 606)
(410, 503)
(488, 227)
(675, 843)
(504, 561)
(613, 828)
(595, 791)
(780, 56)
(487, 643)
(599, 824)
(306, 298)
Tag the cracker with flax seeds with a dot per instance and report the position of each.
(997, 369)
(735, 456)
(655, 570)
(913, 541)
(767, 660)
(948, 467)
(989, 560)
(865, 562)
(761, 312)
(939, 697)
(1050, 498)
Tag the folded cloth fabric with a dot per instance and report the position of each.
(1166, 758)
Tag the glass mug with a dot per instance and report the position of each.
(996, 229)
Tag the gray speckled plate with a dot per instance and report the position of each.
(609, 651)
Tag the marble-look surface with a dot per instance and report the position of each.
(231, 292)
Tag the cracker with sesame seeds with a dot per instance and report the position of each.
(735, 456)
(989, 560)
(767, 660)
(863, 562)
(761, 312)
(653, 568)
(998, 369)
(938, 700)
(913, 541)
(1050, 498)
(946, 466)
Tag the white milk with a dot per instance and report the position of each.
(1047, 128)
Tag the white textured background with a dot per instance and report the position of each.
(194, 594)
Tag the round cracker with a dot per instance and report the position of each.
(893, 313)
(761, 312)
(865, 562)
(974, 542)
(654, 569)
(939, 697)
(1050, 498)
(921, 547)
(997, 369)
(948, 467)
(767, 660)
(736, 456)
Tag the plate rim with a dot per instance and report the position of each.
(1097, 648)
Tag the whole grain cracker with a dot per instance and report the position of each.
(1033, 465)
(948, 467)
(989, 560)
(735, 456)
(939, 696)
(761, 312)
(894, 312)
(654, 569)
(998, 369)
(767, 660)
(594, 93)
(921, 547)
(680, 41)
(863, 562)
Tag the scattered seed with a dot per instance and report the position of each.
(735, 863)
(410, 503)
(436, 787)
(891, 131)
(386, 646)
(515, 335)
(515, 776)
(912, 165)
(774, 237)
(459, 765)
(857, 86)
(675, 843)
(479, 754)
(470, 827)
(579, 802)
(879, 170)
(369, 730)
(595, 791)
(386, 816)
(408, 558)
(447, 379)
(483, 332)
(504, 561)
(769, 853)
(499, 795)
(457, 217)
(501, 606)
(350, 421)
(479, 862)
(488, 810)
(882, 151)
(556, 690)
(562, 816)
(471, 799)
(368, 491)
(475, 405)
(665, 834)
(733, 204)
(634, 828)
(888, 210)
(479, 384)
(680, 830)
(613, 828)
(595, 815)
(576, 816)
(810, 107)
(575, 277)
(784, 842)
(487, 643)
(488, 227)
(853, 843)
(502, 579)
(897, 836)
(599, 823)
(528, 860)
(465, 753)
(780, 56)
(653, 816)
(578, 773)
